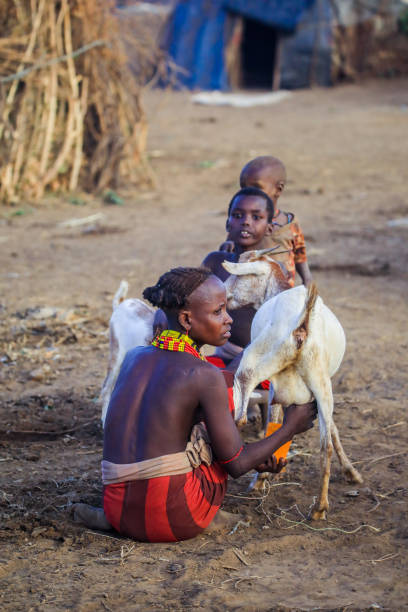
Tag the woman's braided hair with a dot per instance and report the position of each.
(173, 288)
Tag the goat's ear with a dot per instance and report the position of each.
(240, 269)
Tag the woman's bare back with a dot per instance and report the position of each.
(153, 406)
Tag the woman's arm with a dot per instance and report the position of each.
(227, 444)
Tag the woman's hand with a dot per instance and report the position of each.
(299, 417)
(272, 465)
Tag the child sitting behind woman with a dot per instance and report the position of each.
(249, 222)
(268, 174)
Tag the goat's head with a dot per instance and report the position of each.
(255, 278)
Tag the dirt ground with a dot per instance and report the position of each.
(346, 155)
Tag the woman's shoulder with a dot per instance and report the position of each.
(209, 372)
(191, 373)
(137, 352)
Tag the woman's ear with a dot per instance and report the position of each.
(227, 225)
(184, 319)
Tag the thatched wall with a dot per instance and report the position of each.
(70, 109)
(367, 40)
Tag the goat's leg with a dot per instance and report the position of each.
(322, 506)
(263, 403)
(320, 385)
(270, 412)
(274, 415)
(107, 388)
(243, 387)
(350, 472)
(115, 361)
(254, 408)
(258, 481)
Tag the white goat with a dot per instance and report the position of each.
(298, 344)
(130, 325)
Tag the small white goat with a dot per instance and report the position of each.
(130, 325)
(298, 344)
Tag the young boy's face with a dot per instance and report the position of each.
(269, 180)
(248, 223)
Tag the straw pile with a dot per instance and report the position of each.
(70, 112)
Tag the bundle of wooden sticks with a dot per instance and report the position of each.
(70, 102)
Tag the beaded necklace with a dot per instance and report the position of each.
(170, 340)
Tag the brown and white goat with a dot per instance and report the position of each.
(264, 278)
(298, 344)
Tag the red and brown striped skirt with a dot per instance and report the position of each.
(167, 508)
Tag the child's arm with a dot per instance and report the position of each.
(304, 272)
(299, 251)
(227, 246)
(214, 260)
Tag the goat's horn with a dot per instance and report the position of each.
(265, 251)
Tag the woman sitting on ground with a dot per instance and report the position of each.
(170, 440)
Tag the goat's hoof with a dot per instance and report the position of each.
(319, 515)
(260, 484)
(253, 482)
(353, 475)
(254, 413)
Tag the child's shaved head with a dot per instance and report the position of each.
(265, 172)
(265, 165)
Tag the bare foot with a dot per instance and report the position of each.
(224, 521)
(92, 517)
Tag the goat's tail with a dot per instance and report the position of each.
(120, 294)
(301, 332)
(312, 295)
